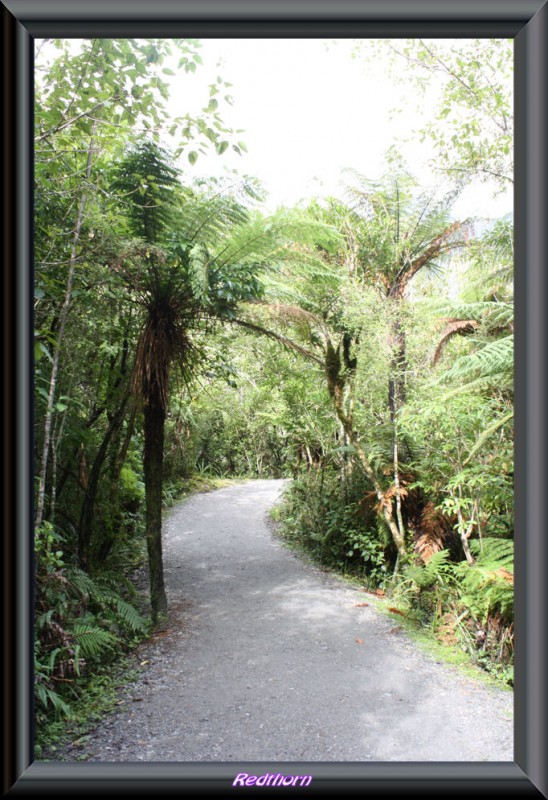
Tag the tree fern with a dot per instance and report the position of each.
(495, 359)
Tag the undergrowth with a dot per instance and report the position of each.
(468, 609)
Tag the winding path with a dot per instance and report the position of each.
(267, 658)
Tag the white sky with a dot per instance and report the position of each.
(308, 112)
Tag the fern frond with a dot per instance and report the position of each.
(93, 640)
(494, 551)
(489, 583)
(487, 433)
(129, 615)
(453, 327)
(493, 359)
(438, 568)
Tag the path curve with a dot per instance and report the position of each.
(267, 658)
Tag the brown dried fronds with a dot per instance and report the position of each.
(454, 327)
(446, 629)
(385, 503)
(433, 533)
(163, 341)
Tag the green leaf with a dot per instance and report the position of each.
(193, 156)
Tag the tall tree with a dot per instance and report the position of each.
(395, 234)
(465, 108)
(198, 255)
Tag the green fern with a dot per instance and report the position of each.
(494, 360)
(130, 616)
(48, 698)
(487, 433)
(93, 641)
(488, 585)
(437, 570)
(102, 591)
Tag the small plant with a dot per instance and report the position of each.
(81, 623)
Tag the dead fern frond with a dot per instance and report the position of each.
(461, 327)
(433, 533)
(164, 340)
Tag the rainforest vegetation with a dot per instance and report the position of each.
(361, 346)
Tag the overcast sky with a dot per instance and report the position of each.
(310, 111)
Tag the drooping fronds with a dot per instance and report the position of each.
(495, 359)
(290, 344)
(487, 433)
(164, 340)
(434, 532)
(453, 327)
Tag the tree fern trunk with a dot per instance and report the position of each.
(154, 421)
(335, 385)
(398, 364)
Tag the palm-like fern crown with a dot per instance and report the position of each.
(399, 231)
(486, 312)
(200, 253)
(146, 182)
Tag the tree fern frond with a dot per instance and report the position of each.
(453, 327)
(497, 313)
(198, 269)
(476, 385)
(492, 359)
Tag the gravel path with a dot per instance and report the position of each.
(267, 658)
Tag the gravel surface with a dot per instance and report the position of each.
(267, 658)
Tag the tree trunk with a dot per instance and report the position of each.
(398, 363)
(63, 317)
(88, 506)
(154, 421)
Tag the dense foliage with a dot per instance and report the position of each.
(362, 348)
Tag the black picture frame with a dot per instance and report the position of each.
(526, 22)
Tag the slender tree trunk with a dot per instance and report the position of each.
(465, 532)
(88, 505)
(398, 362)
(399, 516)
(154, 422)
(60, 336)
(56, 441)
